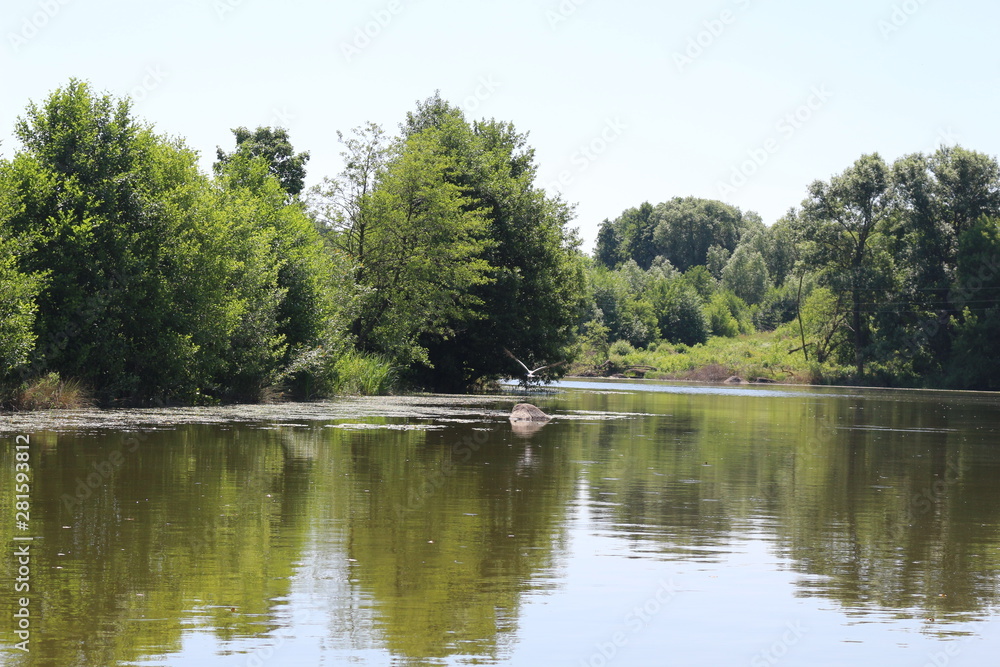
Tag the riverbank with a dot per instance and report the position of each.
(773, 356)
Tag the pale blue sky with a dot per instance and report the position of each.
(889, 76)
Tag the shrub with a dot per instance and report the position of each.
(621, 348)
(50, 392)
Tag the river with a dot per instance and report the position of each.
(648, 524)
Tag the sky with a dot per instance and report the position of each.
(746, 101)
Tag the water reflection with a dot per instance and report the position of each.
(423, 540)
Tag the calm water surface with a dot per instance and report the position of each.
(647, 524)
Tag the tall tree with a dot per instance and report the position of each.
(535, 300)
(938, 197)
(85, 185)
(340, 204)
(746, 275)
(415, 238)
(273, 145)
(844, 215)
(679, 310)
(161, 282)
(976, 362)
(608, 249)
(636, 228)
(686, 228)
(306, 316)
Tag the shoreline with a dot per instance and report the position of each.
(414, 405)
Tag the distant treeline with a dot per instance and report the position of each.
(892, 270)
(127, 269)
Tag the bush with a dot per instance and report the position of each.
(355, 373)
(728, 315)
(50, 392)
(778, 307)
(679, 311)
(638, 323)
(621, 348)
(721, 321)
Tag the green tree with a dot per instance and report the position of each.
(679, 311)
(636, 228)
(18, 307)
(976, 362)
(300, 315)
(777, 245)
(844, 215)
(967, 187)
(536, 301)
(716, 259)
(415, 238)
(611, 293)
(720, 319)
(685, 229)
(824, 315)
(99, 195)
(700, 278)
(939, 196)
(273, 145)
(608, 249)
(746, 275)
(162, 283)
(728, 315)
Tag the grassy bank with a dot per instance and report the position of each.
(768, 356)
(49, 392)
(349, 374)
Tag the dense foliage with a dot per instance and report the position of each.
(888, 273)
(488, 260)
(126, 268)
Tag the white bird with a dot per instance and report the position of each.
(531, 372)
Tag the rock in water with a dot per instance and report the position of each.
(526, 412)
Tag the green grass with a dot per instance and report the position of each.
(360, 374)
(764, 355)
(49, 392)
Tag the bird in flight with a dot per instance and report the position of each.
(532, 373)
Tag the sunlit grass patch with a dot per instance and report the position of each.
(51, 392)
(773, 355)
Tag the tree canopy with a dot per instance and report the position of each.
(273, 145)
(889, 268)
(124, 266)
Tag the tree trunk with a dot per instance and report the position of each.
(859, 337)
